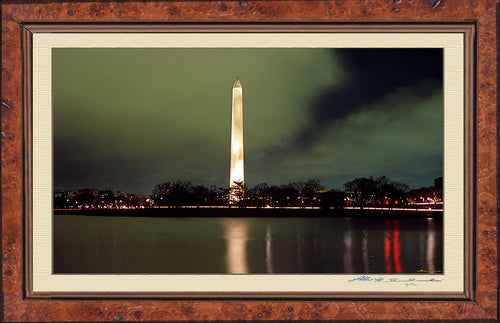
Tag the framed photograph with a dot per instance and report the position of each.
(205, 166)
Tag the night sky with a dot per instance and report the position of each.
(128, 119)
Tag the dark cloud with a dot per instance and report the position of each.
(400, 136)
(372, 74)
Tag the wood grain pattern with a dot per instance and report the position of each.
(14, 13)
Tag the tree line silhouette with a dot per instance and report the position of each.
(292, 194)
(360, 192)
(380, 191)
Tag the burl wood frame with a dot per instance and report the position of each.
(479, 300)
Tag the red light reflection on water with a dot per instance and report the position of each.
(392, 247)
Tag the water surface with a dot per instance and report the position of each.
(113, 244)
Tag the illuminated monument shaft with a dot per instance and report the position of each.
(236, 177)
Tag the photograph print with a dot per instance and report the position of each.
(247, 160)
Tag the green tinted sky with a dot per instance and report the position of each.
(131, 118)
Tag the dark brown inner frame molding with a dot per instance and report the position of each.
(479, 300)
(467, 29)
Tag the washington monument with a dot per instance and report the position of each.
(236, 176)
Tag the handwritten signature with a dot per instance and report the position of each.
(365, 278)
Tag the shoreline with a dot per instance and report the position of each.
(199, 212)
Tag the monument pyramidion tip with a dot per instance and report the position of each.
(237, 83)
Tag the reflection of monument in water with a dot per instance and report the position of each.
(236, 245)
(236, 176)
